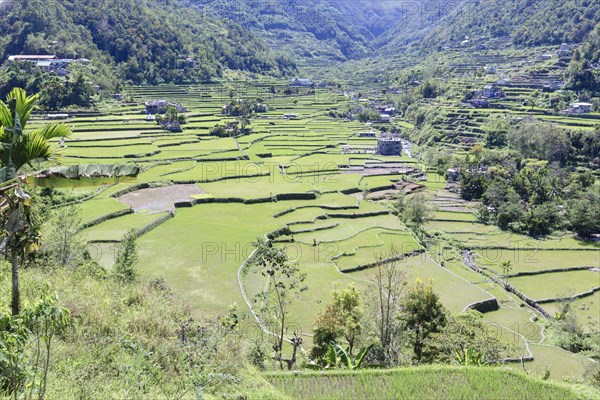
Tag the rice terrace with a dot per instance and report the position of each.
(385, 211)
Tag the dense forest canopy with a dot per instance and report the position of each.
(145, 41)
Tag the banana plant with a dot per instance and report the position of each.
(470, 357)
(338, 357)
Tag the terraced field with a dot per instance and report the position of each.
(290, 179)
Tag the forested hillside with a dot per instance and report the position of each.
(527, 22)
(583, 71)
(148, 41)
(312, 29)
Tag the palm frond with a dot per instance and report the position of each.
(5, 115)
(54, 130)
(33, 146)
(25, 104)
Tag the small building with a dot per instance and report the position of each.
(546, 56)
(29, 57)
(156, 106)
(565, 51)
(57, 116)
(503, 82)
(150, 117)
(492, 92)
(479, 103)
(301, 82)
(552, 86)
(385, 118)
(490, 70)
(389, 145)
(453, 174)
(581, 108)
(290, 116)
(367, 134)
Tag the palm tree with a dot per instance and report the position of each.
(19, 148)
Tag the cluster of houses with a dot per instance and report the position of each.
(386, 112)
(160, 107)
(49, 63)
(302, 82)
(480, 97)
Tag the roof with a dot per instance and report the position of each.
(45, 63)
(582, 104)
(32, 57)
(156, 103)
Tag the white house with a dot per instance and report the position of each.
(301, 82)
(29, 57)
(384, 118)
(581, 108)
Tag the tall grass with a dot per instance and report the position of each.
(430, 382)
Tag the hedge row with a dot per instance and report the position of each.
(106, 217)
(181, 170)
(360, 215)
(139, 186)
(383, 262)
(548, 271)
(223, 178)
(141, 155)
(496, 279)
(82, 199)
(177, 144)
(148, 227)
(114, 128)
(279, 197)
(532, 248)
(104, 146)
(570, 298)
(285, 231)
(484, 306)
(320, 228)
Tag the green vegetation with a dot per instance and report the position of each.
(465, 258)
(421, 382)
(142, 42)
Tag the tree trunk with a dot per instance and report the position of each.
(16, 297)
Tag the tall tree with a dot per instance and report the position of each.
(285, 283)
(389, 282)
(422, 315)
(341, 318)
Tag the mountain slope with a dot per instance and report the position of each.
(146, 41)
(310, 28)
(527, 22)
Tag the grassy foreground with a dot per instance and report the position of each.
(429, 382)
